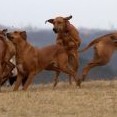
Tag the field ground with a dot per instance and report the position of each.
(94, 99)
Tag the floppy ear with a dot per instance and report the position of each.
(50, 21)
(24, 35)
(68, 18)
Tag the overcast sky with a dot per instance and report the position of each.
(86, 13)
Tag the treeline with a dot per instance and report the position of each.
(41, 37)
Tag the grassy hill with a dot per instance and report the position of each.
(94, 99)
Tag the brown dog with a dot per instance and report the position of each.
(31, 60)
(9, 52)
(104, 47)
(3, 48)
(68, 36)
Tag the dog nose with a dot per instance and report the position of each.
(54, 29)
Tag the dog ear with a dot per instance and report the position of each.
(50, 21)
(68, 18)
(24, 35)
(4, 31)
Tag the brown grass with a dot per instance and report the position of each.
(94, 99)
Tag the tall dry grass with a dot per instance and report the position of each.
(94, 99)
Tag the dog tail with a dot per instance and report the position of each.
(114, 36)
(92, 43)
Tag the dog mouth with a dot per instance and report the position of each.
(58, 30)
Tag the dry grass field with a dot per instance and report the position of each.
(94, 99)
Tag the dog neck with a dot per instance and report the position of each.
(3, 38)
(68, 27)
(20, 45)
(70, 33)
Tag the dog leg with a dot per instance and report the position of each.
(7, 68)
(54, 68)
(74, 62)
(29, 80)
(67, 70)
(70, 79)
(94, 63)
(56, 79)
(18, 82)
(58, 70)
(24, 80)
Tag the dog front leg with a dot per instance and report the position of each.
(18, 82)
(29, 80)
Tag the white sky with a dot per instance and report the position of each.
(86, 13)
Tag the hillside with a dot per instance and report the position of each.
(94, 99)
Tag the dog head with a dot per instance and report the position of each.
(16, 36)
(59, 23)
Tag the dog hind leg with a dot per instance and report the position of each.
(56, 79)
